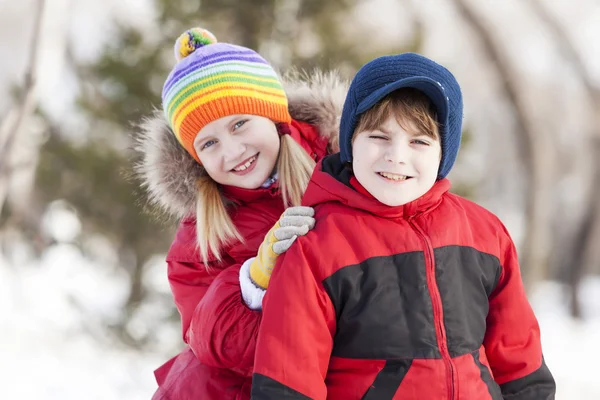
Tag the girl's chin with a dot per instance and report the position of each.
(252, 181)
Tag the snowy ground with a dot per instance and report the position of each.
(46, 353)
(571, 348)
(49, 349)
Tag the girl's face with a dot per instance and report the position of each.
(239, 150)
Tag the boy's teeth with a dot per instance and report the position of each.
(393, 177)
(248, 163)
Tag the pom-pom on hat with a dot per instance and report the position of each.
(191, 40)
(212, 80)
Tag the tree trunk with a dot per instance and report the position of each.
(533, 155)
(136, 287)
(25, 107)
(583, 239)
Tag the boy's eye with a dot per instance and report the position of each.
(239, 124)
(378, 137)
(208, 144)
(421, 142)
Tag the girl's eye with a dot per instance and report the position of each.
(239, 124)
(208, 144)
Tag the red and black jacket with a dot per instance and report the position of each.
(420, 301)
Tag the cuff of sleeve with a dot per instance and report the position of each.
(251, 294)
(258, 275)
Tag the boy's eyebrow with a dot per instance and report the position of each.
(419, 134)
(412, 132)
(382, 129)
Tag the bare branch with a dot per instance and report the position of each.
(7, 122)
(568, 50)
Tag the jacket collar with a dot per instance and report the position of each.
(332, 181)
(241, 196)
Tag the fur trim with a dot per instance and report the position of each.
(252, 294)
(318, 99)
(170, 174)
(167, 171)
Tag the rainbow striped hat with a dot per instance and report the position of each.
(213, 80)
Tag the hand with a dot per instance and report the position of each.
(294, 222)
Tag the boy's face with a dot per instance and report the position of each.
(395, 165)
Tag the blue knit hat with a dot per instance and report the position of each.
(383, 75)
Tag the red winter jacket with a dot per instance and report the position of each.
(219, 328)
(421, 301)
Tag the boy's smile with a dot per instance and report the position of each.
(396, 165)
(394, 177)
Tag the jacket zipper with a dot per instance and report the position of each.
(436, 301)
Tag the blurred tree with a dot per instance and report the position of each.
(90, 177)
(534, 156)
(17, 117)
(584, 242)
(125, 84)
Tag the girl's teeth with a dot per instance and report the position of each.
(393, 177)
(245, 166)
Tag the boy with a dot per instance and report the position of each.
(403, 290)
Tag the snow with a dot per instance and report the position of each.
(51, 349)
(54, 313)
(570, 347)
(53, 343)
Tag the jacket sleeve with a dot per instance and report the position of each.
(296, 335)
(223, 330)
(219, 328)
(512, 339)
(189, 283)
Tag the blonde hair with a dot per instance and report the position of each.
(295, 168)
(411, 108)
(214, 227)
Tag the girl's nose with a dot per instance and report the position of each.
(234, 148)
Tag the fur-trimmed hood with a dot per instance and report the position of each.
(170, 174)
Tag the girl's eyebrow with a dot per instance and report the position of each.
(232, 122)
(200, 138)
(234, 119)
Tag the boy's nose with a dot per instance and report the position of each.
(396, 153)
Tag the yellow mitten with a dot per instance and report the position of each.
(294, 222)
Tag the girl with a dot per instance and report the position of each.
(228, 156)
